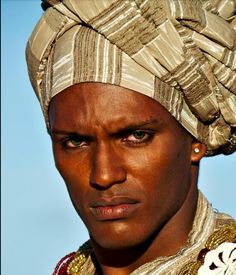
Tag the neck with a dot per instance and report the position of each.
(166, 241)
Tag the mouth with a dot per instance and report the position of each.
(107, 209)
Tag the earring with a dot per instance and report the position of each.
(196, 150)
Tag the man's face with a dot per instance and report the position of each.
(125, 160)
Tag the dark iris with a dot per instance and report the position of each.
(139, 134)
(76, 142)
(73, 142)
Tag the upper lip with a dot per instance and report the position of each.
(112, 201)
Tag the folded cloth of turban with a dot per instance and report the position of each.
(182, 53)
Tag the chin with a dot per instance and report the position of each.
(117, 244)
(119, 237)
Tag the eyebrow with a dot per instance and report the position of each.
(138, 125)
(121, 130)
(63, 132)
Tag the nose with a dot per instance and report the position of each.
(107, 168)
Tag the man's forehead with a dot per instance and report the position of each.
(104, 96)
(99, 104)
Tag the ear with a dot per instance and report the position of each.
(198, 151)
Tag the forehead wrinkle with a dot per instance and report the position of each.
(108, 124)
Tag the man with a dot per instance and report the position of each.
(134, 94)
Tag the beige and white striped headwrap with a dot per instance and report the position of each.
(182, 53)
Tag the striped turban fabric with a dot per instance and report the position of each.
(182, 53)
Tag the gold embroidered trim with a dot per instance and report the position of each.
(76, 265)
(226, 233)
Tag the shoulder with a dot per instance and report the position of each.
(219, 251)
(74, 260)
(62, 265)
(222, 220)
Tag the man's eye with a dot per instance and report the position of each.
(138, 136)
(73, 143)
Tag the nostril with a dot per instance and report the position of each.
(99, 186)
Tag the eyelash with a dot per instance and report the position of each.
(148, 136)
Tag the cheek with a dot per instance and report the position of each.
(75, 177)
(161, 160)
(74, 173)
(164, 177)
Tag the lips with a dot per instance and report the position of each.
(114, 208)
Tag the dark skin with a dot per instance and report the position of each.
(130, 170)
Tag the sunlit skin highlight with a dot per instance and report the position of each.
(130, 170)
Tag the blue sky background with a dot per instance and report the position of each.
(39, 224)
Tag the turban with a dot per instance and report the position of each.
(182, 53)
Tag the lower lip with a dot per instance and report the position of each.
(113, 212)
